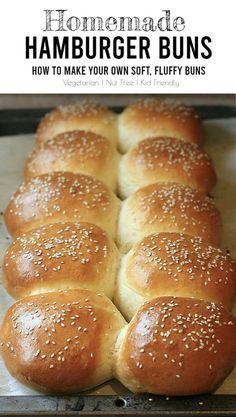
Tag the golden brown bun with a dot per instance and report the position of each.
(164, 207)
(61, 342)
(177, 346)
(61, 256)
(165, 159)
(83, 116)
(174, 264)
(79, 152)
(61, 196)
(150, 117)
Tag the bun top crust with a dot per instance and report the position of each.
(171, 158)
(77, 151)
(178, 346)
(60, 256)
(173, 207)
(151, 117)
(61, 196)
(182, 265)
(56, 340)
(81, 115)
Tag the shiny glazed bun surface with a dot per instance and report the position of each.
(177, 346)
(165, 159)
(83, 116)
(150, 117)
(77, 151)
(61, 342)
(61, 196)
(174, 264)
(165, 207)
(61, 256)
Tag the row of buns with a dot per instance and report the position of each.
(63, 256)
(157, 159)
(140, 120)
(70, 341)
(167, 274)
(158, 207)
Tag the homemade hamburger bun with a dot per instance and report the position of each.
(61, 342)
(177, 346)
(61, 256)
(168, 207)
(61, 196)
(175, 264)
(76, 151)
(165, 159)
(150, 117)
(83, 115)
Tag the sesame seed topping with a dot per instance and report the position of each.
(37, 353)
(165, 153)
(64, 345)
(77, 148)
(169, 108)
(61, 241)
(64, 193)
(204, 326)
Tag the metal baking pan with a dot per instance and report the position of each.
(116, 400)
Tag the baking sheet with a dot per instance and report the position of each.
(220, 143)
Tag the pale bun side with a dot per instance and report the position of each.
(168, 207)
(150, 117)
(61, 256)
(77, 151)
(62, 196)
(127, 300)
(177, 346)
(61, 342)
(78, 116)
(174, 264)
(165, 159)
